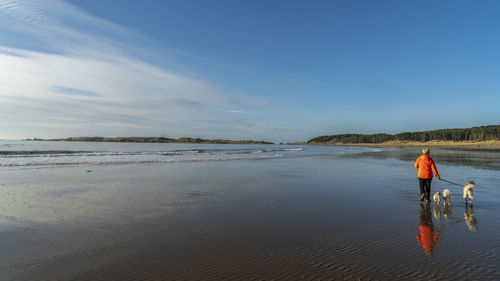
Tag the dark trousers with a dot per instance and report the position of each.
(425, 187)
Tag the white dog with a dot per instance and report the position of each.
(447, 197)
(468, 191)
(436, 198)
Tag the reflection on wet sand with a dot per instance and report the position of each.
(447, 211)
(426, 236)
(437, 212)
(470, 219)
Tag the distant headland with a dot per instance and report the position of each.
(155, 140)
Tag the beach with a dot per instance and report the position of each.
(243, 212)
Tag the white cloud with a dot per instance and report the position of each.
(83, 81)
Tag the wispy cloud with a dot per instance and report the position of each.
(73, 91)
(64, 72)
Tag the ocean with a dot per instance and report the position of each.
(47, 153)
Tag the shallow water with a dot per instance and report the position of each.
(317, 216)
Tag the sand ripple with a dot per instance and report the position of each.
(342, 257)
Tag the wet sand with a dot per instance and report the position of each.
(322, 217)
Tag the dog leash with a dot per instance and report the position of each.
(450, 182)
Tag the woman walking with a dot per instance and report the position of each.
(426, 167)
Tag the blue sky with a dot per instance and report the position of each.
(272, 70)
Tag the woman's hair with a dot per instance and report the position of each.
(426, 151)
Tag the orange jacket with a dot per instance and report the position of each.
(426, 166)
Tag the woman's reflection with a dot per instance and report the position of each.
(426, 236)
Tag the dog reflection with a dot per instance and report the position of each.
(469, 218)
(436, 211)
(427, 238)
(447, 211)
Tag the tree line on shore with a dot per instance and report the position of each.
(482, 133)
